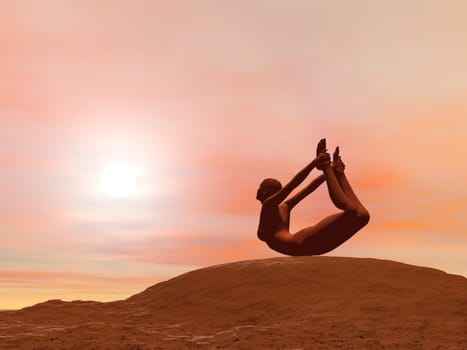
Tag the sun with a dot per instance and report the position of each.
(118, 180)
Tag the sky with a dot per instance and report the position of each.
(205, 99)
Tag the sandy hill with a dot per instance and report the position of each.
(280, 303)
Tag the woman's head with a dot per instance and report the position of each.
(267, 188)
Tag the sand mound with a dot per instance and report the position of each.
(279, 303)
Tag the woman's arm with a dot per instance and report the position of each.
(292, 202)
(298, 179)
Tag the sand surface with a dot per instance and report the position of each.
(281, 303)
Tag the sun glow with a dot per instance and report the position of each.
(118, 180)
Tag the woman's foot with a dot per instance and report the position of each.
(321, 148)
(337, 163)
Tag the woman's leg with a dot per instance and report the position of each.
(345, 185)
(329, 233)
(338, 167)
(335, 229)
(336, 192)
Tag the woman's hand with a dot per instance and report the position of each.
(322, 160)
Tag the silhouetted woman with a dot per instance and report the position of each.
(327, 234)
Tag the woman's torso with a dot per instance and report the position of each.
(274, 219)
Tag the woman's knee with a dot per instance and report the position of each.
(359, 217)
(363, 217)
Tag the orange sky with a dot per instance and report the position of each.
(208, 98)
